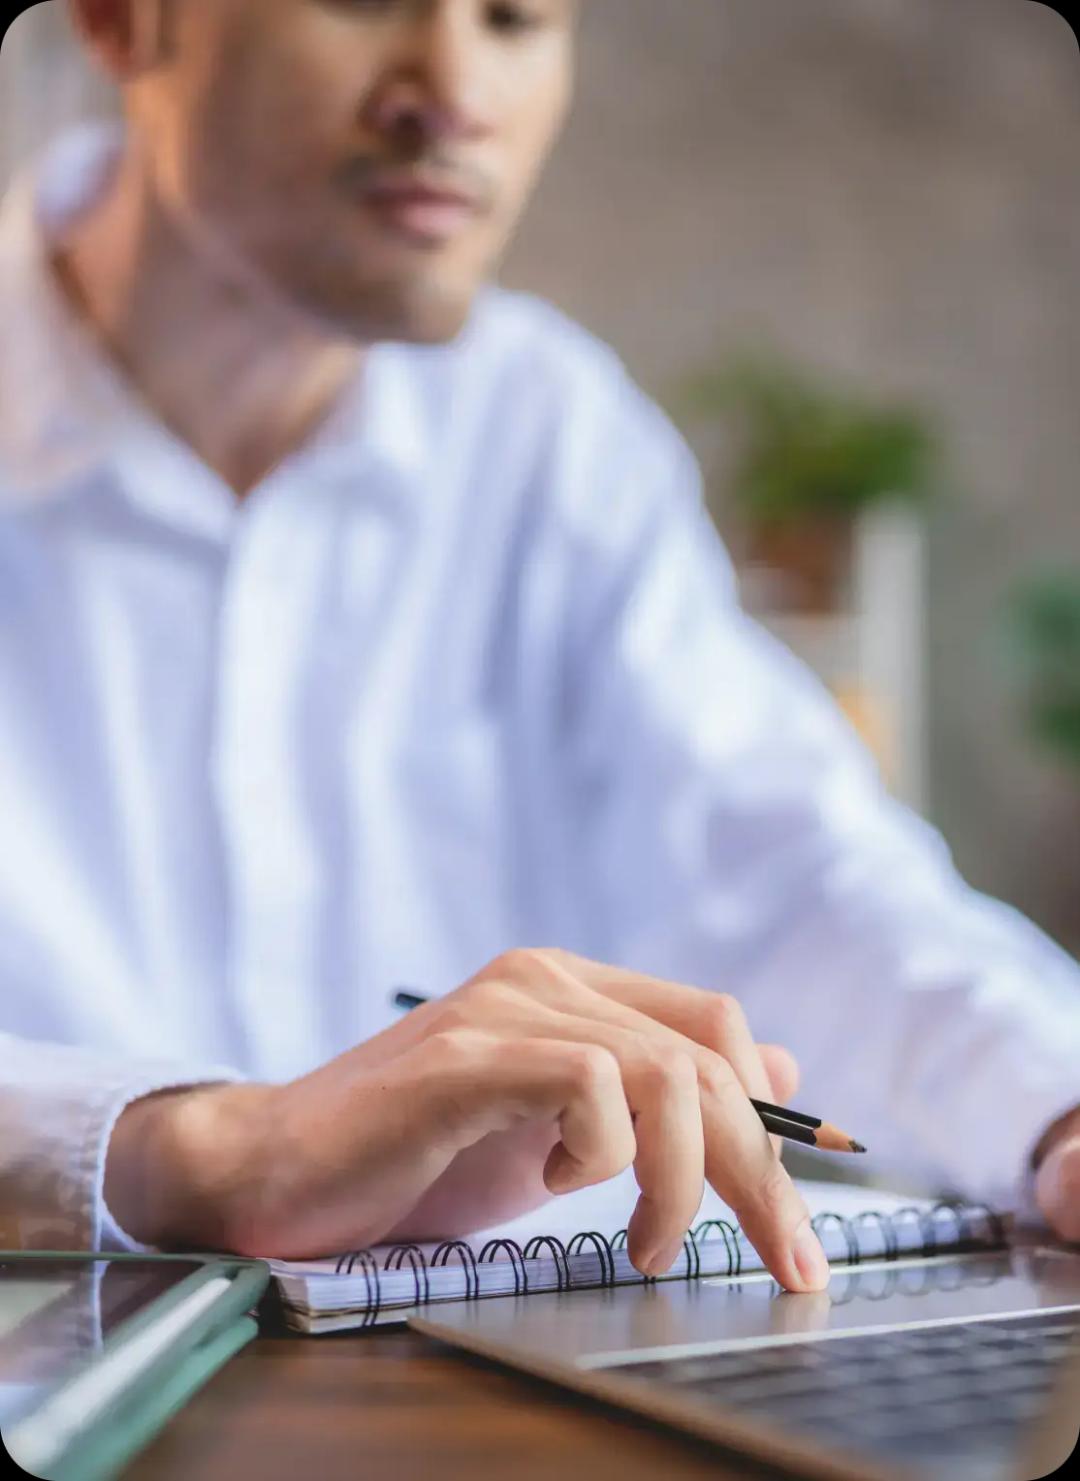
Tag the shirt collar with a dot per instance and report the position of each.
(67, 410)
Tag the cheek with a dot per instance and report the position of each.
(267, 124)
(531, 133)
(255, 188)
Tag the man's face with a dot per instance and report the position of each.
(369, 158)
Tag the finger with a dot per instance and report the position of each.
(661, 1088)
(715, 1020)
(703, 1023)
(743, 1168)
(659, 1075)
(1057, 1188)
(739, 1159)
(782, 1068)
(661, 1085)
(485, 1089)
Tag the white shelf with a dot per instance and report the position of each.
(874, 654)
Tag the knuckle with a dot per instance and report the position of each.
(666, 1068)
(528, 967)
(773, 1190)
(478, 1000)
(592, 1067)
(528, 956)
(453, 1014)
(549, 955)
(458, 1045)
(724, 1016)
(508, 964)
(717, 1079)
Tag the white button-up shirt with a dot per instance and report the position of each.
(465, 672)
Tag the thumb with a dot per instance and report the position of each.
(782, 1069)
(1057, 1187)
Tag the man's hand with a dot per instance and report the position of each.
(1057, 1177)
(543, 1074)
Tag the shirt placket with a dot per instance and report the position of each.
(269, 605)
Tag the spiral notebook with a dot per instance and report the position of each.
(579, 1241)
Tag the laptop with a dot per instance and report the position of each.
(963, 1367)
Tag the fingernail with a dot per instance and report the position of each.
(661, 1263)
(810, 1257)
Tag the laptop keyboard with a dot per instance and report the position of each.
(935, 1397)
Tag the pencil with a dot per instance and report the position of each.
(825, 1136)
(793, 1126)
(407, 1000)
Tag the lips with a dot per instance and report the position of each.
(421, 211)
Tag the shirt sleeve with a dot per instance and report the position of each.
(58, 1107)
(735, 834)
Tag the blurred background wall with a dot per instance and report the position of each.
(885, 189)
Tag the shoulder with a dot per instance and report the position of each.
(551, 385)
(569, 369)
(526, 330)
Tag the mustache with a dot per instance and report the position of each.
(440, 170)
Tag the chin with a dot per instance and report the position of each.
(409, 315)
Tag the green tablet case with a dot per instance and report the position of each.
(109, 1441)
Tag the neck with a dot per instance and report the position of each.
(222, 359)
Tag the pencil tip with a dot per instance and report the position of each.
(857, 1146)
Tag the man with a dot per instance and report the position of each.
(359, 624)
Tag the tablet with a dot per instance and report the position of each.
(97, 1351)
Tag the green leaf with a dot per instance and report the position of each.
(806, 447)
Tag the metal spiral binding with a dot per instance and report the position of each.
(885, 1224)
(370, 1271)
(925, 1222)
(517, 1260)
(826, 1219)
(558, 1251)
(700, 1235)
(965, 1212)
(603, 1247)
(415, 1256)
(693, 1256)
(953, 1210)
(998, 1233)
(929, 1221)
(962, 1214)
(465, 1254)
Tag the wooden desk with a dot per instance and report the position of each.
(394, 1404)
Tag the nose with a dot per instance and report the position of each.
(438, 85)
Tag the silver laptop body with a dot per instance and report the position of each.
(956, 1368)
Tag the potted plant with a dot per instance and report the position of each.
(1043, 627)
(806, 457)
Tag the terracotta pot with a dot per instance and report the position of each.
(809, 560)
